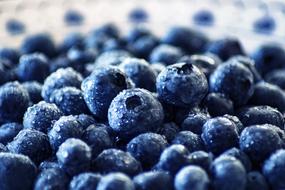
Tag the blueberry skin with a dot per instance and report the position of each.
(225, 48)
(79, 58)
(185, 38)
(101, 87)
(192, 177)
(194, 122)
(45, 165)
(41, 115)
(54, 179)
(10, 54)
(268, 57)
(182, 85)
(259, 142)
(111, 58)
(256, 181)
(33, 67)
(234, 80)
(74, 156)
(157, 67)
(143, 46)
(115, 160)
(265, 24)
(34, 89)
(59, 62)
(228, 173)
(135, 111)
(236, 121)
(8, 131)
(114, 181)
(31, 143)
(85, 120)
(165, 54)
(268, 94)
(136, 33)
(273, 170)
(138, 15)
(241, 156)
(23, 175)
(153, 180)
(149, 144)
(97, 138)
(173, 159)
(219, 134)
(41, 43)
(15, 27)
(59, 79)
(140, 72)
(85, 181)
(276, 77)
(258, 115)
(218, 104)
(201, 159)
(191, 141)
(71, 40)
(14, 101)
(203, 17)
(73, 17)
(69, 100)
(64, 128)
(168, 130)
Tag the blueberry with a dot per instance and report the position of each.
(31, 143)
(228, 173)
(191, 141)
(182, 85)
(85, 181)
(135, 111)
(47, 164)
(41, 43)
(72, 40)
(192, 177)
(258, 115)
(114, 44)
(194, 122)
(73, 17)
(79, 58)
(140, 72)
(101, 87)
(265, 24)
(259, 141)
(220, 134)
(241, 156)
(274, 168)
(108, 29)
(41, 115)
(203, 17)
(85, 120)
(115, 160)
(234, 80)
(268, 57)
(34, 89)
(114, 181)
(3, 148)
(147, 148)
(168, 130)
(15, 27)
(69, 100)
(52, 178)
(33, 67)
(8, 71)
(165, 54)
(136, 33)
(64, 128)
(153, 180)
(225, 48)
(256, 181)
(173, 159)
(8, 131)
(201, 159)
(276, 77)
(17, 172)
(14, 101)
(236, 121)
(268, 94)
(185, 38)
(97, 138)
(109, 58)
(74, 156)
(138, 15)
(10, 54)
(218, 104)
(59, 62)
(59, 79)
(157, 67)
(143, 46)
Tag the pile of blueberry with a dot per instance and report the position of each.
(108, 111)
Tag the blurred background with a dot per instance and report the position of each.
(252, 21)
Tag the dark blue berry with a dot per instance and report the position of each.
(136, 33)
(85, 181)
(192, 177)
(10, 54)
(8, 131)
(15, 27)
(265, 24)
(79, 58)
(72, 40)
(34, 89)
(276, 77)
(236, 121)
(182, 85)
(143, 46)
(201, 158)
(165, 54)
(73, 17)
(194, 122)
(191, 141)
(135, 111)
(85, 120)
(256, 181)
(114, 181)
(138, 15)
(59, 62)
(109, 58)
(218, 104)
(203, 17)
(168, 130)
(115, 160)
(41, 115)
